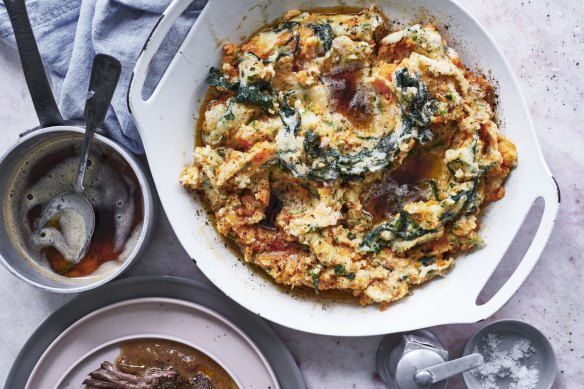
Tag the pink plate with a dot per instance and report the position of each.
(97, 337)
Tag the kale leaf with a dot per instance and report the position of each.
(289, 116)
(400, 227)
(246, 94)
(252, 94)
(290, 25)
(340, 270)
(315, 283)
(324, 32)
(428, 260)
(286, 50)
(326, 163)
(462, 200)
(417, 107)
(217, 79)
(403, 228)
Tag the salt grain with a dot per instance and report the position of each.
(506, 365)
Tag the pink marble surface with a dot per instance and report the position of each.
(544, 41)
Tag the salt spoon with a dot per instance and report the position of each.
(417, 360)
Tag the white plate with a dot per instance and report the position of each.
(167, 119)
(97, 337)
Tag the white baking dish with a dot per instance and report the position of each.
(167, 119)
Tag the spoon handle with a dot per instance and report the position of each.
(442, 371)
(102, 84)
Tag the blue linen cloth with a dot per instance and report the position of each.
(70, 32)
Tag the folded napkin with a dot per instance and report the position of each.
(70, 32)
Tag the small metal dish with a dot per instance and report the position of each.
(510, 331)
(14, 260)
(52, 129)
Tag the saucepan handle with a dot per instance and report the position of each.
(32, 65)
(550, 193)
(163, 26)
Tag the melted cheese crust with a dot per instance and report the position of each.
(363, 159)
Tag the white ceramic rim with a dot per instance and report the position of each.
(262, 334)
(156, 300)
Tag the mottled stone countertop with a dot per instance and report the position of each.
(544, 41)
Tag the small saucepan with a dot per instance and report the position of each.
(42, 163)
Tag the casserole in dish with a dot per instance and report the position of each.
(167, 118)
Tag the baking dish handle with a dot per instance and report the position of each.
(551, 196)
(155, 39)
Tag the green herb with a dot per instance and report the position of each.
(324, 32)
(252, 94)
(419, 108)
(257, 57)
(402, 227)
(456, 164)
(462, 200)
(314, 272)
(286, 50)
(350, 276)
(215, 78)
(229, 115)
(315, 283)
(427, 261)
(325, 164)
(340, 270)
(320, 163)
(475, 241)
(290, 117)
(286, 26)
(312, 144)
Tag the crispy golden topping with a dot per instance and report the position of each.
(340, 156)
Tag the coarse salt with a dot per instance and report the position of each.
(508, 365)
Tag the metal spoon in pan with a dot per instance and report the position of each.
(68, 221)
